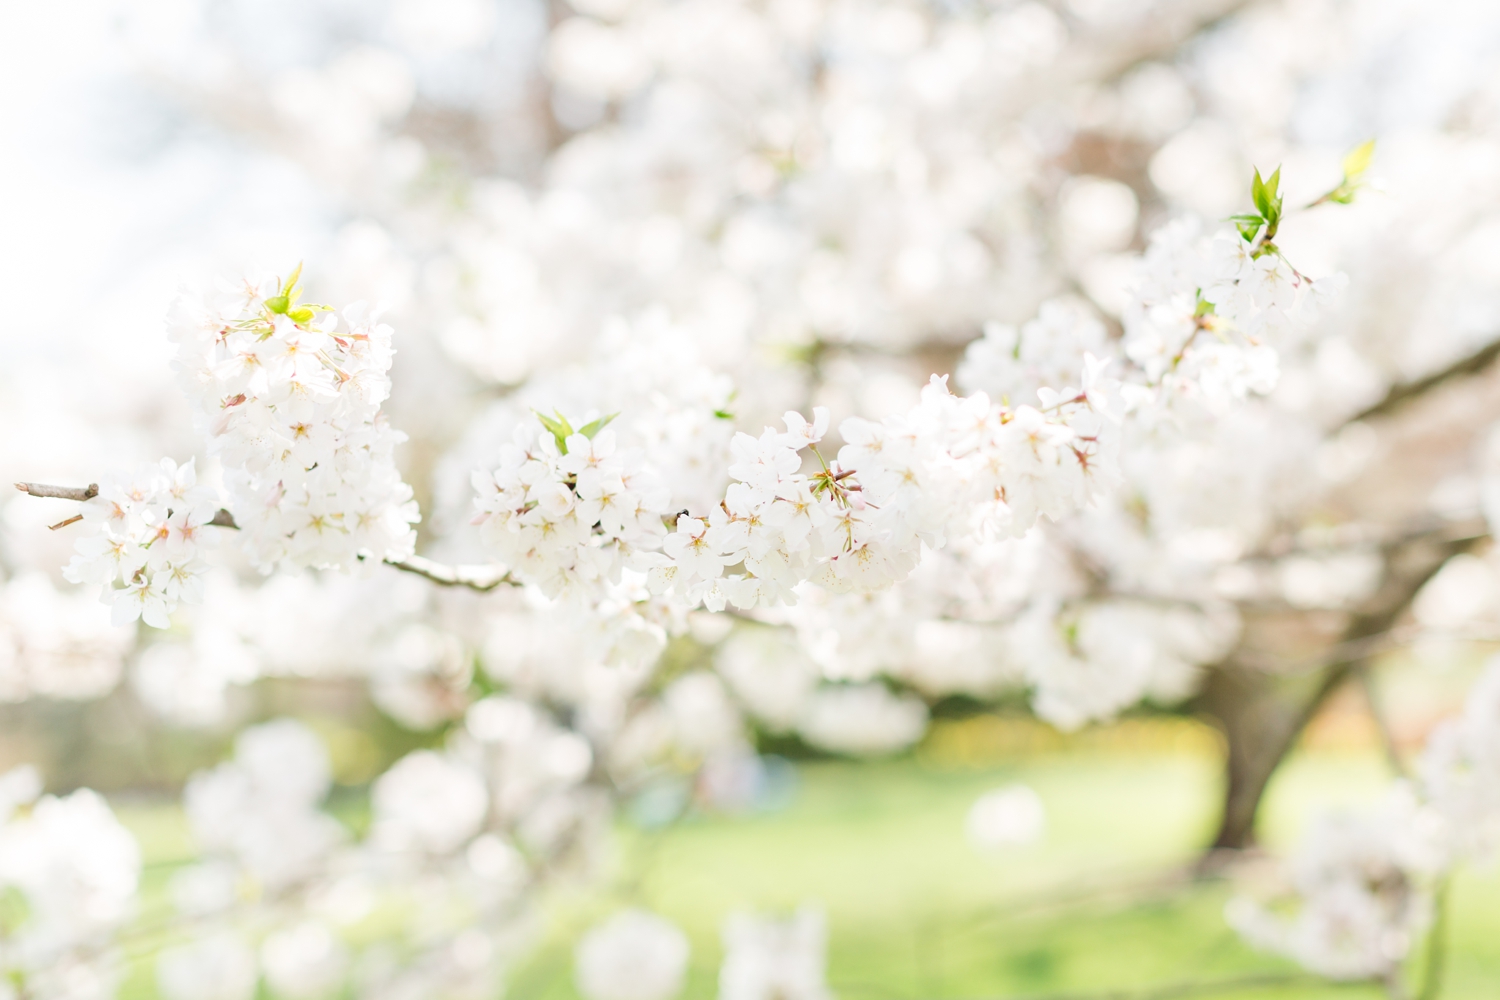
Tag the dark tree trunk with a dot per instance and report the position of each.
(1263, 712)
(1258, 726)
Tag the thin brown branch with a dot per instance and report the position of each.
(64, 523)
(480, 578)
(1198, 988)
(1404, 392)
(1382, 724)
(79, 493)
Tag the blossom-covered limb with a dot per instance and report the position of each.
(480, 578)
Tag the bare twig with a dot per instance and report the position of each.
(1382, 724)
(64, 523)
(480, 578)
(1403, 392)
(79, 493)
(1197, 988)
(1437, 941)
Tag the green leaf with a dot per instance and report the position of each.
(1267, 197)
(278, 303)
(593, 427)
(560, 428)
(1358, 161)
(724, 414)
(1274, 192)
(301, 314)
(1258, 194)
(1248, 225)
(1273, 183)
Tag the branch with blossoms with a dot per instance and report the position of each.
(479, 578)
(290, 394)
(571, 511)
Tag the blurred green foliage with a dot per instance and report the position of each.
(1104, 904)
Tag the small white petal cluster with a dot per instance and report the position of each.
(428, 802)
(290, 400)
(55, 644)
(259, 812)
(1366, 882)
(537, 770)
(76, 870)
(770, 674)
(950, 467)
(863, 719)
(1363, 882)
(1011, 364)
(567, 510)
(1006, 817)
(1460, 770)
(304, 961)
(218, 966)
(770, 959)
(633, 955)
(1089, 663)
(705, 722)
(1198, 315)
(145, 550)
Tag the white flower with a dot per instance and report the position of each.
(150, 533)
(18, 787)
(77, 871)
(291, 403)
(1362, 885)
(261, 809)
(768, 959)
(1006, 817)
(863, 719)
(303, 962)
(633, 955)
(218, 967)
(428, 802)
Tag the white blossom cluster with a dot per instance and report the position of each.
(1011, 363)
(820, 199)
(55, 644)
(1365, 887)
(565, 510)
(950, 467)
(1366, 881)
(1013, 816)
(290, 401)
(765, 957)
(269, 857)
(281, 884)
(1202, 316)
(1460, 771)
(638, 955)
(76, 870)
(258, 816)
(145, 551)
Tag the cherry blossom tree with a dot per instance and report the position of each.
(699, 371)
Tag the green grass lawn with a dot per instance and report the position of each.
(914, 912)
